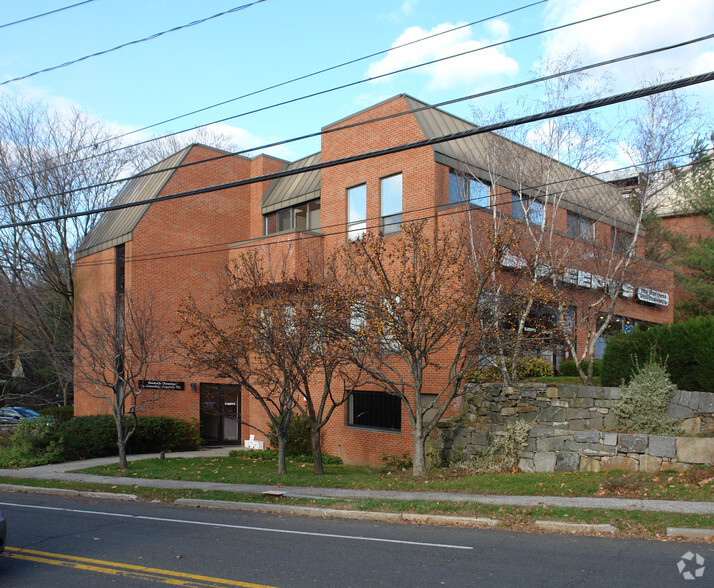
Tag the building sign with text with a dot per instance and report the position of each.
(160, 385)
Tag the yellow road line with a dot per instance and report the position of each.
(122, 569)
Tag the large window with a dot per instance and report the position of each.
(303, 217)
(468, 189)
(375, 410)
(580, 227)
(523, 207)
(356, 212)
(620, 241)
(391, 196)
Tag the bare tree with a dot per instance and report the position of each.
(117, 342)
(52, 164)
(266, 333)
(415, 309)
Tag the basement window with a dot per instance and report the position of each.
(375, 410)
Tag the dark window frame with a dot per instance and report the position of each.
(374, 410)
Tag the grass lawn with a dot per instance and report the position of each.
(245, 468)
(647, 525)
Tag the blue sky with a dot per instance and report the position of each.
(276, 40)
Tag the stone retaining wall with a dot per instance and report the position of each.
(592, 451)
(573, 407)
(571, 429)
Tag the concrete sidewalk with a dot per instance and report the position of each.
(63, 471)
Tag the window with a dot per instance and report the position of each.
(375, 410)
(620, 241)
(356, 212)
(580, 227)
(303, 217)
(523, 207)
(391, 195)
(464, 188)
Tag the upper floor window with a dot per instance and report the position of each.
(391, 196)
(356, 212)
(524, 207)
(467, 189)
(303, 217)
(620, 241)
(580, 227)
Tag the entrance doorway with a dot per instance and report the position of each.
(220, 412)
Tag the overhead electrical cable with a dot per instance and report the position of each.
(9, 24)
(322, 132)
(553, 113)
(342, 228)
(136, 42)
(320, 71)
(344, 86)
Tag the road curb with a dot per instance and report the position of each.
(562, 526)
(690, 533)
(68, 492)
(336, 513)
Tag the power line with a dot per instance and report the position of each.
(321, 71)
(342, 228)
(149, 38)
(9, 24)
(342, 87)
(553, 113)
(369, 121)
(373, 120)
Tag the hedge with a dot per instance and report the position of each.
(96, 436)
(685, 348)
(567, 368)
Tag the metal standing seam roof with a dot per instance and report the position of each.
(518, 167)
(293, 190)
(116, 226)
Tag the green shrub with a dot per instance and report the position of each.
(160, 433)
(61, 413)
(34, 442)
(643, 402)
(685, 347)
(567, 368)
(526, 367)
(298, 441)
(533, 367)
(96, 436)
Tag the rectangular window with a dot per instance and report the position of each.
(375, 410)
(580, 227)
(304, 217)
(467, 189)
(523, 207)
(620, 241)
(356, 212)
(391, 195)
(301, 217)
(313, 215)
(285, 219)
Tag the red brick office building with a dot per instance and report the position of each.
(173, 248)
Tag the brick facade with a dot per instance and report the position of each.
(178, 248)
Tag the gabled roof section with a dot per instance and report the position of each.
(495, 159)
(293, 190)
(115, 227)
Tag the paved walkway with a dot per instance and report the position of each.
(63, 471)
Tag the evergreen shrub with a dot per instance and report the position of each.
(643, 402)
(685, 348)
(567, 368)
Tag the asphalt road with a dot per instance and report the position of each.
(62, 542)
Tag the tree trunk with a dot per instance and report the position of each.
(121, 444)
(282, 443)
(316, 450)
(419, 458)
